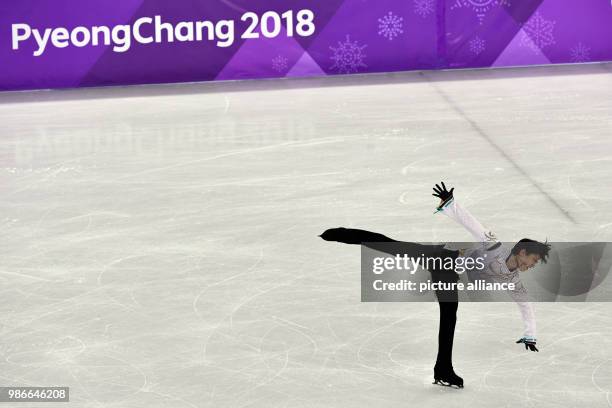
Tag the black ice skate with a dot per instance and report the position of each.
(447, 377)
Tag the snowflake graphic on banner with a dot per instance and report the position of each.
(279, 64)
(390, 26)
(480, 7)
(424, 7)
(348, 56)
(477, 45)
(580, 53)
(538, 32)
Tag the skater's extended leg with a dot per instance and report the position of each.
(353, 236)
(447, 300)
(378, 242)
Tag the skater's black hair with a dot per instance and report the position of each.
(532, 247)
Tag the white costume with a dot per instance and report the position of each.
(495, 261)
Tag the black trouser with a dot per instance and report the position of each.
(448, 300)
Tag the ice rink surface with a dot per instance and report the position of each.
(159, 244)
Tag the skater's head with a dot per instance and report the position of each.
(527, 253)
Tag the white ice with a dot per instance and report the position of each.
(159, 246)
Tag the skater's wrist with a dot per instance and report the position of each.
(529, 338)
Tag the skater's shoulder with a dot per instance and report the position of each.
(496, 250)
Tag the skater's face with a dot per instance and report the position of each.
(526, 261)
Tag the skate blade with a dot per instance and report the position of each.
(446, 384)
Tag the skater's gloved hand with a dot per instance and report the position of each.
(443, 194)
(529, 342)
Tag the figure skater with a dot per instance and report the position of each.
(502, 264)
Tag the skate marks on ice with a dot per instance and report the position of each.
(480, 131)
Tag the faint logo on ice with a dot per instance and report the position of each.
(8, 221)
(537, 33)
(152, 141)
(477, 45)
(424, 7)
(280, 64)
(480, 7)
(348, 56)
(390, 26)
(580, 53)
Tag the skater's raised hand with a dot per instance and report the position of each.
(443, 194)
(529, 342)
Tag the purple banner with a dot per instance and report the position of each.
(69, 43)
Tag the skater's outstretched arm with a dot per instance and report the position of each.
(450, 207)
(520, 295)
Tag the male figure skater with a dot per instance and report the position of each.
(502, 264)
